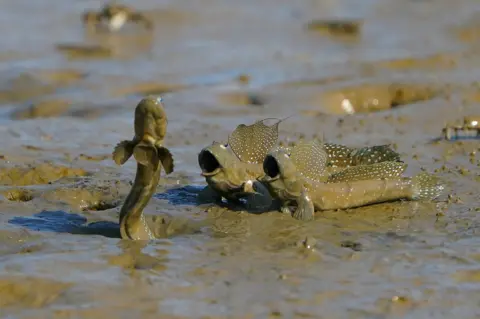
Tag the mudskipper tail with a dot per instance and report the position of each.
(426, 186)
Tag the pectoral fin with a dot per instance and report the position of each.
(146, 154)
(122, 152)
(166, 158)
(305, 209)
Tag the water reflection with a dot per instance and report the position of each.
(63, 222)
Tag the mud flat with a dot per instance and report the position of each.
(403, 70)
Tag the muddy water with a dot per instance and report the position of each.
(406, 68)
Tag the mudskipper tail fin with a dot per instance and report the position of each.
(426, 186)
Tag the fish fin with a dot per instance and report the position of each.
(122, 152)
(338, 155)
(426, 186)
(374, 154)
(310, 158)
(146, 154)
(366, 172)
(251, 143)
(166, 158)
(305, 210)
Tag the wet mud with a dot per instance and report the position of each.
(357, 73)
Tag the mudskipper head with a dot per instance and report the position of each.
(286, 171)
(279, 170)
(219, 165)
(225, 165)
(150, 127)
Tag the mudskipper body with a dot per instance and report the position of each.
(295, 177)
(151, 156)
(231, 169)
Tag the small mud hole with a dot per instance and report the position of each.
(368, 98)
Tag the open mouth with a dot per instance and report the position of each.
(208, 163)
(270, 167)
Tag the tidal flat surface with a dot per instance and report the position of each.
(406, 68)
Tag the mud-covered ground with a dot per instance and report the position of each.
(406, 68)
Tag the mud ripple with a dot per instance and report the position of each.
(83, 51)
(49, 108)
(243, 98)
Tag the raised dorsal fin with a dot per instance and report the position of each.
(251, 143)
(310, 158)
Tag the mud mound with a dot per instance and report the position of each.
(36, 175)
(369, 98)
(89, 195)
(434, 61)
(336, 27)
(29, 292)
(148, 88)
(18, 195)
(48, 108)
(36, 83)
(81, 52)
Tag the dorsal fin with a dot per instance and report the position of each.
(366, 172)
(374, 154)
(251, 143)
(310, 158)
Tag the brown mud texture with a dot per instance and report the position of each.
(357, 72)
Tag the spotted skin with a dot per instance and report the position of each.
(366, 172)
(310, 158)
(343, 156)
(250, 143)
